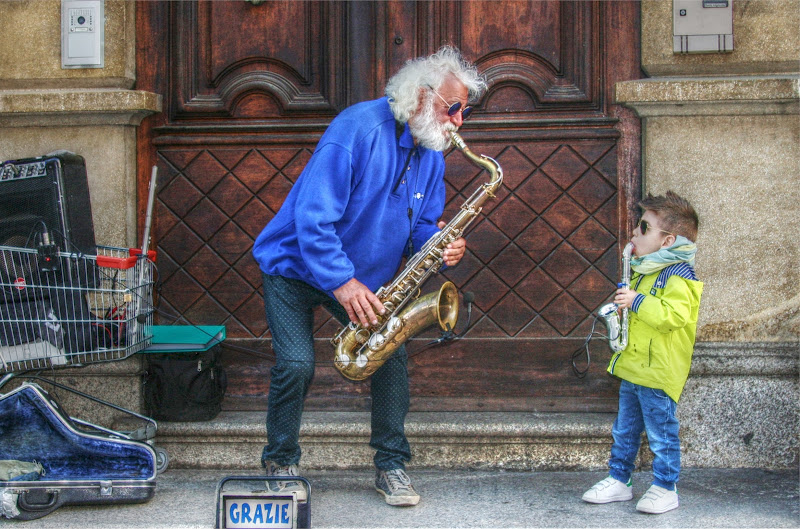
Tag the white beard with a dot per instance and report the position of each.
(428, 131)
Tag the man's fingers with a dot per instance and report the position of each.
(363, 311)
(375, 303)
(360, 303)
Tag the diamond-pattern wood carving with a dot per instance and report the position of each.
(541, 258)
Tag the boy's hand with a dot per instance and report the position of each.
(624, 298)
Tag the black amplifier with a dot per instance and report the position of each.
(45, 201)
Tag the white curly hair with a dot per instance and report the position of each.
(404, 86)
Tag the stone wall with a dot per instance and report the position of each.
(739, 407)
(765, 41)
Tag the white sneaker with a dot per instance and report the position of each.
(609, 490)
(658, 500)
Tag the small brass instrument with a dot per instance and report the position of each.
(360, 351)
(618, 327)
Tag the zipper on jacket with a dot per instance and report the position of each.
(614, 362)
(403, 170)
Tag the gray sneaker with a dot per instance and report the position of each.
(395, 485)
(288, 486)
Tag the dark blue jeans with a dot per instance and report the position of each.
(651, 410)
(289, 305)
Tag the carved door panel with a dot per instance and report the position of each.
(248, 91)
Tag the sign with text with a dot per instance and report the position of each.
(263, 502)
(260, 512)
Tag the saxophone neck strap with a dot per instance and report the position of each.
(403, 170)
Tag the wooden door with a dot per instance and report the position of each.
(250, 87)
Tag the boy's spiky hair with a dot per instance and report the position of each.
(675, 212)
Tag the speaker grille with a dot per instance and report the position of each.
(47, 195)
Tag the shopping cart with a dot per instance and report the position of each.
(61, 309)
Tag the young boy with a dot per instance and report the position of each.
(663, 299)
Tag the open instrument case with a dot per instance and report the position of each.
(80, 466)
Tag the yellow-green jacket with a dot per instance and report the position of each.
(662, 323)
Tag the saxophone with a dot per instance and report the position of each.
(360, 351)
(618, 327)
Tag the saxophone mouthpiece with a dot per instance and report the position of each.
(457, 141)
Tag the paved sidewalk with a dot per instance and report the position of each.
(452, 498)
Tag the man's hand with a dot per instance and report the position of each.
(360, 302)
(454, 251)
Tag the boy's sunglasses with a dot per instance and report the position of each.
(455, 107)
(644, 226)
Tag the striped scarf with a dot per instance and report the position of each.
(682, 251)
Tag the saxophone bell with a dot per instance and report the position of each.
(610, 314)
(359, 361)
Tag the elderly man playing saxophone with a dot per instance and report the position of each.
(372, 193)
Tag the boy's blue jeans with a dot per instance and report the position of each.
(651, 410)
(289, 305)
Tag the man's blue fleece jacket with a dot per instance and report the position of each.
(348, 213)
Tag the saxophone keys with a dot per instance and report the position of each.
(342, 361)
(361, 361)
(362, 335)
(393, 325)
(375, 342)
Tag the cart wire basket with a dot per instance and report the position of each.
(64, 309)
